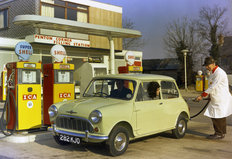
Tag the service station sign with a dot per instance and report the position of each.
(130, 58)
(46, 39)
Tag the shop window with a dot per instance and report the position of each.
(3, 18)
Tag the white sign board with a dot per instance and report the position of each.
(130, 58)
(58, 52)
(46, 39)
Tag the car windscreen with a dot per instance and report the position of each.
(111, 88)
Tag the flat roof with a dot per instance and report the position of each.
(136, 76)
(44, 22)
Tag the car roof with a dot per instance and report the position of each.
(137, 76)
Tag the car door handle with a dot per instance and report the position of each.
(160, 103)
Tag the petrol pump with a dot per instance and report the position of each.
(58, 82)
(23, 102)
(199, 81)
(206, 80)
(132, 66)
(87, 71)
(3, 85)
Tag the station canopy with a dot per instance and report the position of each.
(44, 22)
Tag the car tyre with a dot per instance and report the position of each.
(60, 142)
(181, 127)
(118, 141)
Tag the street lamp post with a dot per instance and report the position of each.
(185, 69)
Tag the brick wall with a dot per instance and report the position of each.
(19, 7)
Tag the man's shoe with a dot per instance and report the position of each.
(215, 136)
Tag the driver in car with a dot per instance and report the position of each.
(121, 91)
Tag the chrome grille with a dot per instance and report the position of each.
(73, 123)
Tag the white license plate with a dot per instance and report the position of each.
(70, 139)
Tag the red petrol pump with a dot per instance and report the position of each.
(23, 104)
(58, 82)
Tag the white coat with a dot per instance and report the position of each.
(220, 105)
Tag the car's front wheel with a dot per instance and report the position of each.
(118, 141)
(181, 127)
(60, 142)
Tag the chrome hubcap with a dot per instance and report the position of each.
(181, 127)
(120, 141)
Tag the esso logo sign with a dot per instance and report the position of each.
(23, 50)
(65, 95)
(130, 58)
(58, 52)
(29, 96)
(199, 73)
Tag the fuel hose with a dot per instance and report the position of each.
(208, 100)
(3, 123)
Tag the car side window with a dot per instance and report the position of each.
(139, 96)
(169, 90)
(148, 91)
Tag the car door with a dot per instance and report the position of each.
(170, 96)
(149, 111)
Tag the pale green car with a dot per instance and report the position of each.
(117, 108)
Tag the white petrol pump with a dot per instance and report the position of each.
(23, 103)
(87, 71)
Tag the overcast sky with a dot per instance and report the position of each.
(152, 16)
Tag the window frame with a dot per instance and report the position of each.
(7, 18)
(66, 7)
(162, 90)
(141, 92)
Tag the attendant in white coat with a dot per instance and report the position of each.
(220, 105)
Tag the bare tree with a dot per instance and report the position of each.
(131, 43)
(180, 35)
(211, 25)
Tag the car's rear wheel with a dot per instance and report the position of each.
(181, 127)
(118, 141)
(60, 142)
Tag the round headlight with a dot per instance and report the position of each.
(52, 111)
(95, 117)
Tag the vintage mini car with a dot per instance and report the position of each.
(118, 108)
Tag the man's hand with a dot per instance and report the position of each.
(198, 98)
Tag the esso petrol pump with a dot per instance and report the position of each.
(58, 82)
(23, 102)
(132, 66)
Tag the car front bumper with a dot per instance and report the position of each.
(85, 136)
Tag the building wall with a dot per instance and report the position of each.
(19, 7)
(96, 16)
(108, 18)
